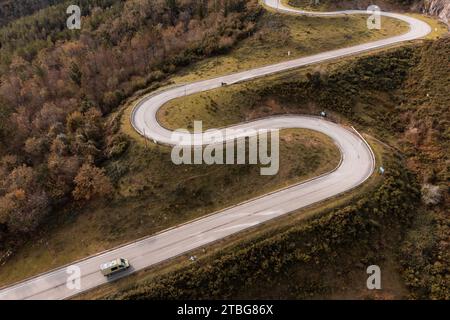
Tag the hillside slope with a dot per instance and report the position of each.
(399, 96)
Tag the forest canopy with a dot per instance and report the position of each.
(57, 87)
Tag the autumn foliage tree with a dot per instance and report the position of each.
(23, 204)
(91, 182)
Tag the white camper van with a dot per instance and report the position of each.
(114, 266)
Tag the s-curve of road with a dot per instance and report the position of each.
(356, 167)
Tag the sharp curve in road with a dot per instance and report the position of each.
(357, 164)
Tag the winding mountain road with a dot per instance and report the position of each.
(356, 167)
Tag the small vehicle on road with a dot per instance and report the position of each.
(114, 266)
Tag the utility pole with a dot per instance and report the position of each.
(145, 139)
(184, 99)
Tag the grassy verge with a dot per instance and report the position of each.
(438, 27)
(307, 5)
(334, 5)
(281, 37)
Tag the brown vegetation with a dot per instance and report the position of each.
(58, 86)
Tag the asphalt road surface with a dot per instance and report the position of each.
(356, 167)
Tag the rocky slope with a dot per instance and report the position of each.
(440, 8)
